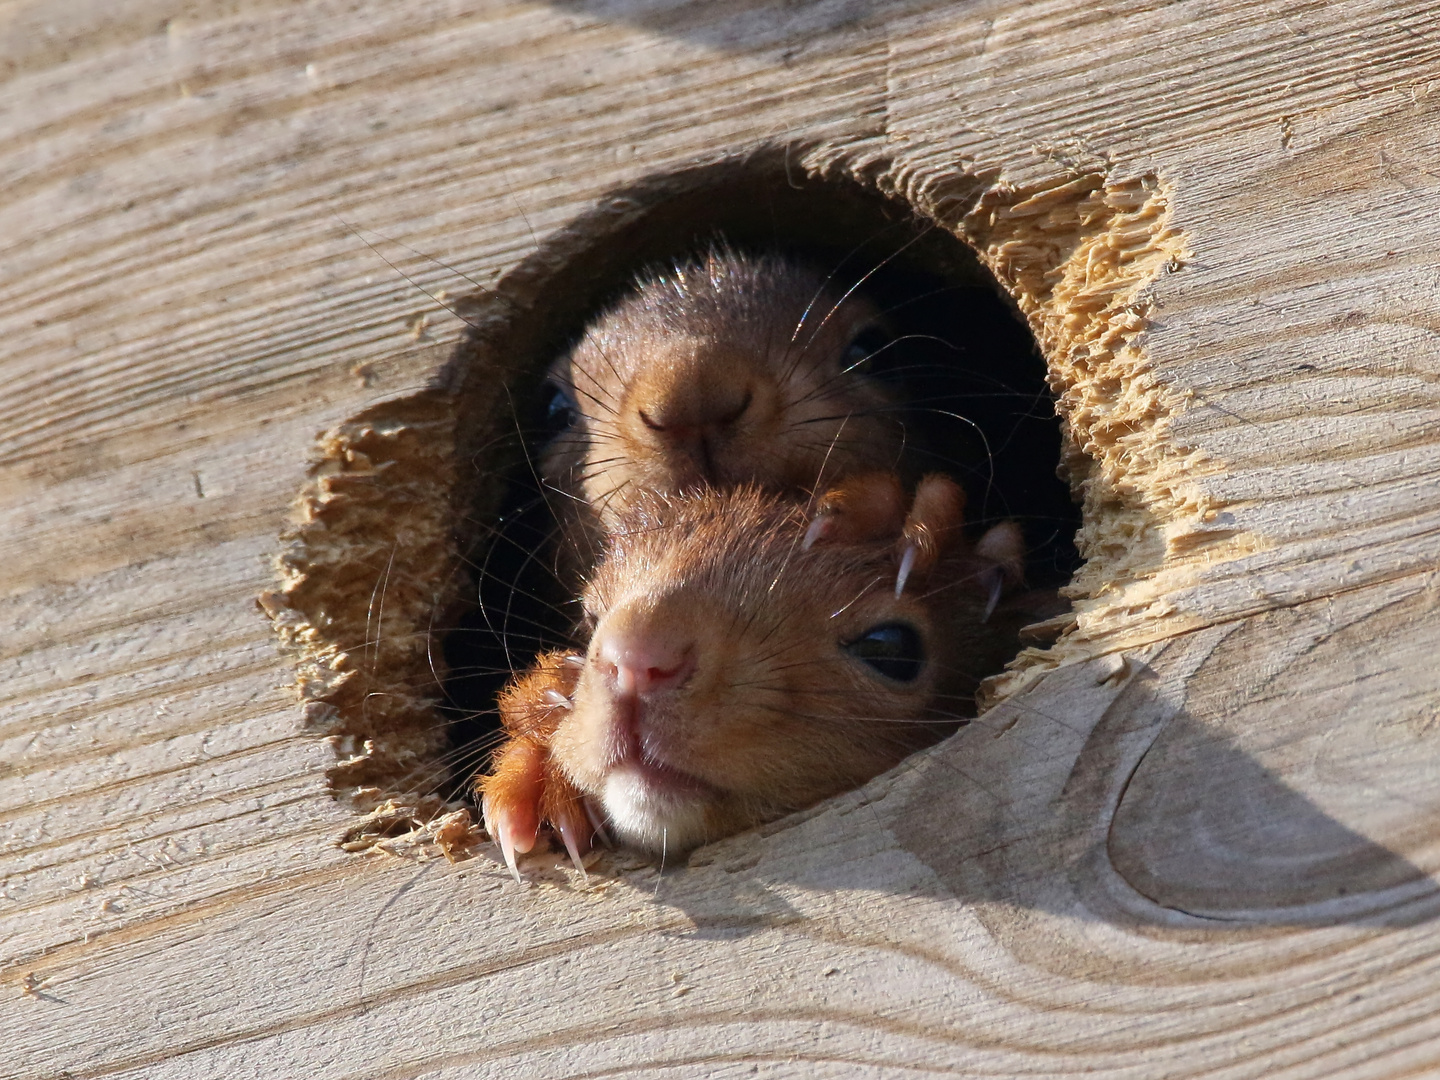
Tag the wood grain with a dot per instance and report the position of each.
(1199, 841)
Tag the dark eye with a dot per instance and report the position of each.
(560, 410)
(863, 354)
(893, 649)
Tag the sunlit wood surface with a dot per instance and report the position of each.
(1202, 843)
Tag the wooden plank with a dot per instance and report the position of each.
(841, 935)
(1198, 840)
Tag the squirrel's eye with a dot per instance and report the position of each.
(893, 649)
(862, 352)
(560, 411)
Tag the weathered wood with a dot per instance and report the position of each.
(1198, 837)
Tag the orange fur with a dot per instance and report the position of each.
(525, 788)
(771, 712)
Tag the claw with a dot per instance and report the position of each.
(817, 530)
(555, 697)
(507, 849)
(507, 832)
(512, 842)
(994, 580)
(567, 834)
(597, 824)
(485, 819)
(907, 564)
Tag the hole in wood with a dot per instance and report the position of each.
(421, 505)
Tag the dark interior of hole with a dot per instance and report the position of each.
(968, 360)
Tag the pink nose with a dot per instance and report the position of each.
(640, 664)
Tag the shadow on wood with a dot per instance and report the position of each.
(1185, 793)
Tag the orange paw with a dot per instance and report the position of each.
(525, 790)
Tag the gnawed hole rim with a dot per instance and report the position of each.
(968, 355)
(399, 493)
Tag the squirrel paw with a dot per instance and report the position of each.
(526, 790)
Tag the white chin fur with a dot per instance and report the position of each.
(652, 820)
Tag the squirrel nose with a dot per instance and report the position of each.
(690, 419)
(639, 664)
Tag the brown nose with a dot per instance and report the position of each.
(708, 416)
(638, 663)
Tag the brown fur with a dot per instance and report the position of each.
(774, 714)
(721, 371)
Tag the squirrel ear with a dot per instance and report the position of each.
(933, 523)
(870, 506)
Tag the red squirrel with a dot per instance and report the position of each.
(719, 371)
(750, 653)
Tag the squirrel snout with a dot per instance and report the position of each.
(637, 664)
(697, 415)
(699, 428)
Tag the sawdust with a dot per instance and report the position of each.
(1079, 256)
(369, 561)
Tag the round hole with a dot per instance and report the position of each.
(969, 362)
(419, 506)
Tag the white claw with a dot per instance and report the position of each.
(995, 578)
(907, 563)
(574, 850)
(556, 698)
(597, 824)
(814, 532)
(507, 849)
(575, 660)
